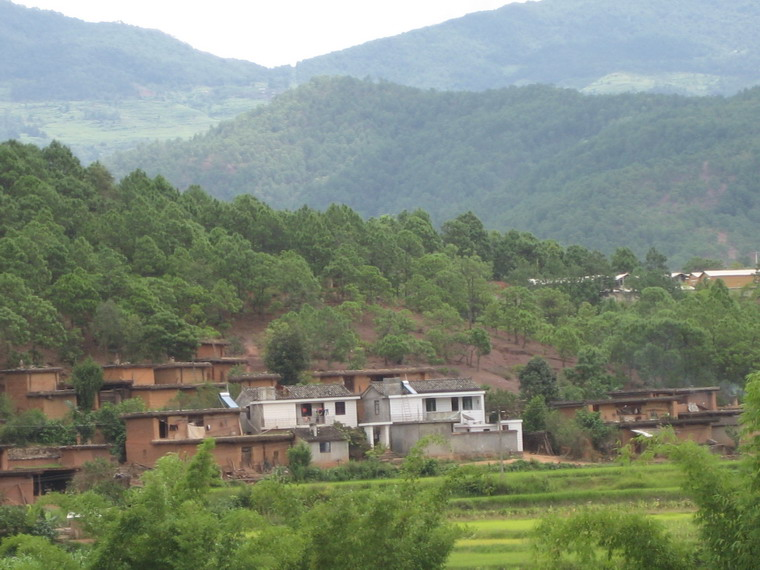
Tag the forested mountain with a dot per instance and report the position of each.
(677, 46)
(602, 171)
(47, 56)
(143, 272)
(102, 88)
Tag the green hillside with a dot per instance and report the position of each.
(680, 46)
(137, 270)
(601, 171)
(47, 56)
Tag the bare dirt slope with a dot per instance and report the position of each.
(497, 369)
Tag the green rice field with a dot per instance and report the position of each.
(498, 528)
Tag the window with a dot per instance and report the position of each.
(454, 404)
(377, 407)
(324, 447)
(429, 404)
(340, 408)
(467, 403)
(305, 410)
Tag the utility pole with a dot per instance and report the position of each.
(501, 448)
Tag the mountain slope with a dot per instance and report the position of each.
(47, 56)
(686, 46)
(601, 171)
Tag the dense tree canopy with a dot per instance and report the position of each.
(146, 271)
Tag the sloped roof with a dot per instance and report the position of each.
(324, 433)
(309, 391)
(432, 386)
(304, 392)
(444, 385)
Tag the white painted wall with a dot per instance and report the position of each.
(282, 414)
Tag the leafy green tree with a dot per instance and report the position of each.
(299, 460)
(480, 341)
(624, 260)
(535, 415)
(148, 259)
(165, 334)
(87, 379)
(501, 404)
(538, 379)
(590, 374)
(286, 351)
(607, 538)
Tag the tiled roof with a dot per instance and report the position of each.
(444, 385)
(434, 385)
(309, 391)
(305, 392)
(324, 433)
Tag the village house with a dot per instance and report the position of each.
(254, 380)
(693, 413)
(297, 406)
(310, 411)
(28, 472)
(733, 278)
(37, 388)
(328, 445)
(151, 435)
(397, 413)
(214, 352)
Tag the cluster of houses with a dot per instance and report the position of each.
(253, 432)
(692, 413)
(394, 407)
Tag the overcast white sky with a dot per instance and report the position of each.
(271, 32)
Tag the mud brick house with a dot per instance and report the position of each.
(37, 388)
(254, 380)
(693, 413)
(28, 472)
(214, 352)
(156, 384)
(151, 435)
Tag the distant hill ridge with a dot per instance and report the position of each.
(680, 46)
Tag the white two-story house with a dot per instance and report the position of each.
(290, 407)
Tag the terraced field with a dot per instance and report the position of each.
(499, 527)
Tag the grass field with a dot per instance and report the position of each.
(95, 129)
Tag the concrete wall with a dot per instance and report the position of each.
(404, 436)
(287, 413)
(337, 455)
(459, 445)
(367, 409)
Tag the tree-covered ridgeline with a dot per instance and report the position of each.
(145, 271)
(629, 170)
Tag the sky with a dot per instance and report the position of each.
(271, 32)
